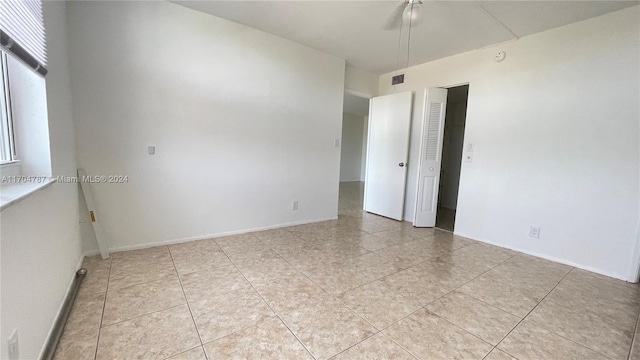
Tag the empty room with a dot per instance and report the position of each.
(410, 179)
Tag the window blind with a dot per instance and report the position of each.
(22, 32)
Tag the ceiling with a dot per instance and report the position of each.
(352, 29)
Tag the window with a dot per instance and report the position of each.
(7, 144)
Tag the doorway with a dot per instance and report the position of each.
(353, 154)
(452, 151)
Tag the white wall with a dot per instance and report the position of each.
(40, 246)
(351, 152)
(360, 82)
(243, 122)
(556, 133)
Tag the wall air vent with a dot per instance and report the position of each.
(398, 79)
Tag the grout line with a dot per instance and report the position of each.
(193, 319)
(104, 306)
(530, 311)
(262, 297)
(635, 337)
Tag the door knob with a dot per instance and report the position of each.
(401, 164)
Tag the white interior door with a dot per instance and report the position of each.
(387, 153)
(435, 105)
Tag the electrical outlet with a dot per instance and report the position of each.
(14, 346)
(534, 231)
(294, 205)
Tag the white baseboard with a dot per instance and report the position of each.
(205, 236)
(50, 333)
(553, 258)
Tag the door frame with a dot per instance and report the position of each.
(422, 141)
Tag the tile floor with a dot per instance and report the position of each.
(360, 287)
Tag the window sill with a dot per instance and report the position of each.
(13, 193)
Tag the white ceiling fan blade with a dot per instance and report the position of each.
(395, 17)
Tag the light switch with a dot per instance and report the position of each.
(470, 147)
(151, 149)
(336, 143)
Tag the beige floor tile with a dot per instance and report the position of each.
(140, 266)
(288, 293)
(267, 340)
(86, 313)
(497, 354)
(605, 290)
(601, 281)
(398, 235)
(582, 327)
(376, 347)
(248, 255)
(516, 301)
(96, 262)
(372, 266)
(141, 255)
(203, 284)
(403, 257)
(328, 328)
(451, 241)
(413, 287)
(488, 252)
(377, 304)
(129, 302)
(193, 354)
(443, 274)
(528, 341)
(468, 262)
(336, 279)
(537, 281)
(408, 228)
(374, 243)
(237, 243)
(635, 349)
(484, 321)
(157, 336)
(614, 310)
(222, 314)
(78, 345)
(97, 277)
(266, 268)
(198, 255)
(428, 336)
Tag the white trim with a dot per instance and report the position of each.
(358, 94)
(14, 193)
(206, 236)
(634, 271)
(550, 258)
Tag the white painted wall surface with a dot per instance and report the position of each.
(243, 122)
(360, 81)
(351, 152)
(556, 131)
(40, 247)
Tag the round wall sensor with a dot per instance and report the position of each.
(500, 56)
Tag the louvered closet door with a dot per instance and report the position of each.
(435, 105)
